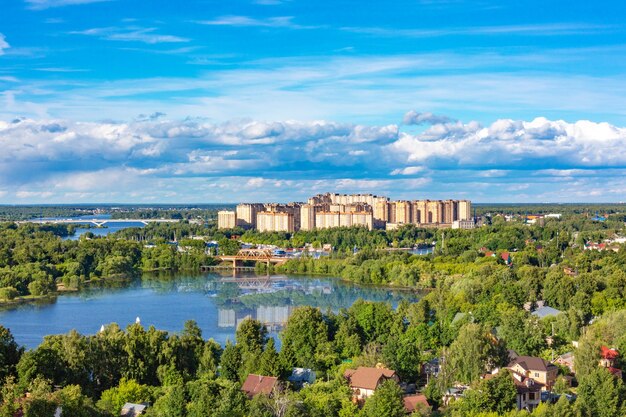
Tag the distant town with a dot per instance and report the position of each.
(330, 210)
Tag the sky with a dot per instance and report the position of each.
(206, 101)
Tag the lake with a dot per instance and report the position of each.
(216, 302)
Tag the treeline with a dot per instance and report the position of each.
(564, 208)
(343, 239)
(34, 259)
(13, 213)
(205, 212)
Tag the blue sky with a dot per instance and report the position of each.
(212, 101)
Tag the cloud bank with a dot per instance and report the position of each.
(194, 160)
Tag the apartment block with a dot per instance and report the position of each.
(272, 221)
(247, 214)
(226, 219)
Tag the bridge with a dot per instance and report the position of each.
(96, 222)
(256, 255)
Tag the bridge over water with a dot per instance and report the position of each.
(256, 255)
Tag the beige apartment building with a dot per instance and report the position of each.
(307, 216)
(246, 215)
(329, 219)
(345, 210)
(272, 221)
(226, 219)
(465, 210)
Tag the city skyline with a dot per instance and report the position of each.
(107, 101)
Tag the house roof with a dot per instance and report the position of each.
(566, 358)
(411, 402)
(545, 311)
(259, 384)
(367, 378)
(608, 353)
(531, 363)
(524, 384)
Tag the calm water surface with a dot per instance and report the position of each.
(217, 303)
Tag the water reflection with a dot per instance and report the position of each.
(217, 302)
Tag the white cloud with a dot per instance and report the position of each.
(415, 118)
(131, 34)
(3, 44)
(247, 21)
(46, 4)
(407, 171)
(549, 29)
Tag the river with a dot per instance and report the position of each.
(216, 302)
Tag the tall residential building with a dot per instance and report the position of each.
(226, 219)
(434, 212)
(307, 216)
(246, 215)
(465, 210)
(404, 211)
(449, 211)
(381, 211)
(419, 212)
(346, 199)
(272, 221)
(328, 219)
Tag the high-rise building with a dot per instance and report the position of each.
(272, 221)
(226, 219)
(404, 211)
(246, 215)
(465, 210)
(381, 211)
(307, 216)
(449, 211)
(328, 219)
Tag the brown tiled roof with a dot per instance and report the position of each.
(531, 363)
(411, 402)
(257, 384)
(524, 384)
(367, 378)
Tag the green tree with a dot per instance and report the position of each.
(304, 331)
(386, 401)
(10, 353)
(230, 362)
(128, 390)
(269, 362)
(600, 394)
(171, 403)
(468, 355)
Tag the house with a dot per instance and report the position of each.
(363, 381)
(506, 257)
(608, 360)
(546, 311)
(415, 402)
(301, 376)
(452, 394)
(528, 392)
(566, 359)
(259, 384)
(537, 369)
(133, 410)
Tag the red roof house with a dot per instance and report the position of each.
(259, 384)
